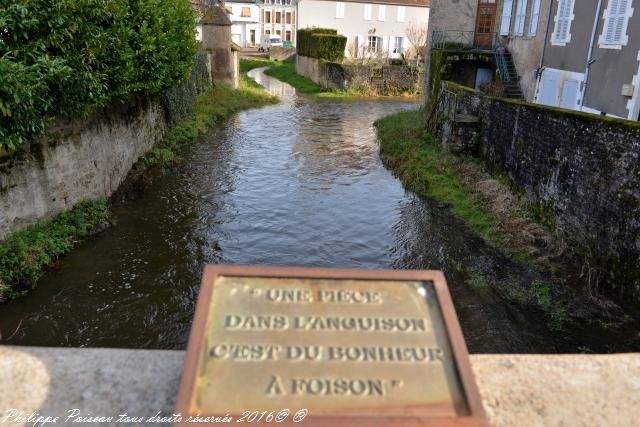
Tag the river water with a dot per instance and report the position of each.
(299, 183)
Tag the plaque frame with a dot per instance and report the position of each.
(476, 416)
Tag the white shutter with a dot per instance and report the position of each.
(402, 11)
(382, 11)
(535, 15)
(521, 13)
(564, 16)
(507, 7)
(367, 12)
(616, 23)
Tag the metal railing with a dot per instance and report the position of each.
(446, 107)
(465, 40)
(503, 69)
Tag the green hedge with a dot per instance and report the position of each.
(321, 43)
(69, 57)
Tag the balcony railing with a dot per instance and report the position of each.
(465, 40)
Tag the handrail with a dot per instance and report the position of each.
(446, 106)
(465, 40)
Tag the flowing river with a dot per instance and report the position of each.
(299, 183)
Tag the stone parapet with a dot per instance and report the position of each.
(517, 390)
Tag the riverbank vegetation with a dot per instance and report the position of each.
(69, 58)
(210, 107)
(482, 202)
(286, 72)
(25, 255)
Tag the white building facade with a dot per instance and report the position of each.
(372, 28)
(245, 22)
(278, 17)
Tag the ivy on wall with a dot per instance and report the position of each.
(69, 57)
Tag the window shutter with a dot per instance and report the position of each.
(616, 19)
(401, 13)
(535, 15)
(367, 12)
(563, 19)
(506, 17)
(382, 11)
(521, 13)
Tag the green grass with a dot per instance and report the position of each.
(27, 253)
(286, 72)
(211, 107)
(423, 167)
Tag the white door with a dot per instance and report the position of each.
(569, 96)
(548, 90)
(483, 75)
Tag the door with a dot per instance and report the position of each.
(548, 90)
(483, 75)
(569, 94)
(485, 24)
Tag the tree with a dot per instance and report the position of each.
(418, 40)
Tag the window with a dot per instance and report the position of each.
(505, 24)
(402, 12)
(278, 17)
(267, 32)
(287, 35)
(521, 14)
(616, 19)
(535, 15)
(267, 17)
(246, 12)
(397, 44)
(278, 33)
(267, 1)
(372, 44)
(339, 10)
(382, 11)
(278, 1)
(287, 2)
(367, 12)
(287, 18)
(562, 31)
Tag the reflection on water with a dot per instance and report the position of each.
(299, 183)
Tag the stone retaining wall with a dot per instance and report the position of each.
(581, 171)
(88, 159)
(384, 80)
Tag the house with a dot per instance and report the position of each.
(278, 17)
(374, 28)
(245, 20)
(522, 25)
(591, 59)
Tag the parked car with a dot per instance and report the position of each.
(267, 41)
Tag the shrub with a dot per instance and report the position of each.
(69, 57)
(321, 43)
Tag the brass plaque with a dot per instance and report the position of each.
(348, 347)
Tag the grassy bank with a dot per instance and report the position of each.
(25, 255)
(211, 107)
(286, 72)
(482, 202)
(426, 169)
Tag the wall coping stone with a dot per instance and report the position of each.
(517, 390)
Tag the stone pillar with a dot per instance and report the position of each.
(216, 39)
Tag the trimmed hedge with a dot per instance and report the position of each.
(69, 57)
(321, 43)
